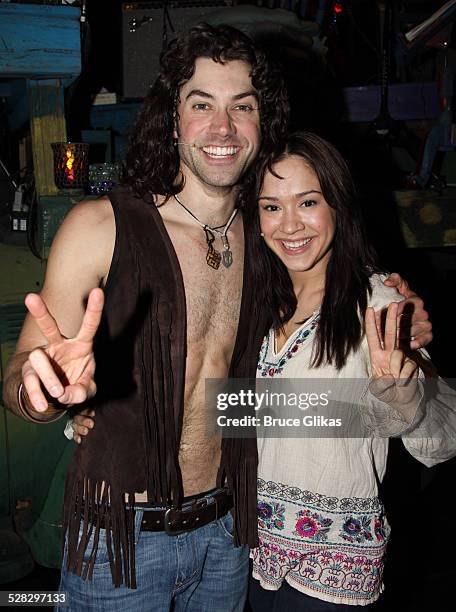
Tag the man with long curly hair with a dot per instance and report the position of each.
(146, 501)
(150, 499)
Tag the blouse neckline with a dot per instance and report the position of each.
(291, 338)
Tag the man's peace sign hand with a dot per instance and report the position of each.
(394, 375)
(65, 367)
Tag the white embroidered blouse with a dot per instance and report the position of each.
(322, 527)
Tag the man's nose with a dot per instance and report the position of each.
(222, 123)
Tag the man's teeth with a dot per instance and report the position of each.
(220, 151)
(297, 244)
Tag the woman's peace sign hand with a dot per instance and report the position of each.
(394, 375)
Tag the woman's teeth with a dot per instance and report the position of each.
(296, 244)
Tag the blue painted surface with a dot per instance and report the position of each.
(39, 40)
(406, 102)
(120, 119)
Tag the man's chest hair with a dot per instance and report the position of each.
(212, 296)
(213, 300)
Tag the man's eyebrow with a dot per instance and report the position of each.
(204, 94)
(246, 94)
(200, 93)
(295, 195)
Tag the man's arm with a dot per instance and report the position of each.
(415, 326)
(52, 357)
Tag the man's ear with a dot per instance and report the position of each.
(175, 130)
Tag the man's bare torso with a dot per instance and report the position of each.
(213, 302)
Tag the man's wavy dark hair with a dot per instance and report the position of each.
(152, 161)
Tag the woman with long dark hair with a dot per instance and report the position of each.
(322, 527)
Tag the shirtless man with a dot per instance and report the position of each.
(206, 114)
(215, 112)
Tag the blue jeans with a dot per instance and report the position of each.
(199, 571)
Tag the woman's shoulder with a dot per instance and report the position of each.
(382, 295)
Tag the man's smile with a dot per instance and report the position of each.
(213, 151)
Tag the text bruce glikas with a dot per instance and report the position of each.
(268, 421)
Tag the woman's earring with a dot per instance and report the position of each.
(262, 235)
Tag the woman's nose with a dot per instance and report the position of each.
(291, 222)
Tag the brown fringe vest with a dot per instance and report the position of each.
(140, 351)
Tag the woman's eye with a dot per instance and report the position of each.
(308, 203)
(270, 207)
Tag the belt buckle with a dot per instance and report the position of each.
(167, 523)
(200, 503)
(179, 514)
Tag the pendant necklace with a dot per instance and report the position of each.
(213, 257)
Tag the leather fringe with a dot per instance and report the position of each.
(241, 476)
(163, 480)
(88, 505)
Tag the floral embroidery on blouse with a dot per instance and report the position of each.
(356, 530)
(356, 577)
(312, 525)
(329, 547)
(270, 367)
(271, 516)
(379, 530)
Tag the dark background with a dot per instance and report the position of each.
(421, 570)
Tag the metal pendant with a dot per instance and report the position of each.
(213, 258)
(227, 258)
(227, 255)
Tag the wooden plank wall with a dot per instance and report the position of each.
(39, 41)
(42, 44)
(47, 125)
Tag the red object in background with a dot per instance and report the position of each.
(71, 167)
(336, 30)
(69, 162)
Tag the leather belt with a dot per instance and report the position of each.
(192, 514)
